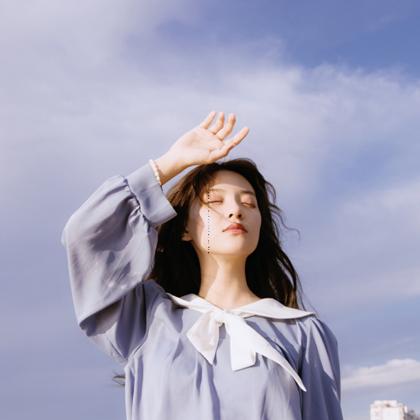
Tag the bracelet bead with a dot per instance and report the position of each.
(155, 170)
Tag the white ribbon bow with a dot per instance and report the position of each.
(245, 342)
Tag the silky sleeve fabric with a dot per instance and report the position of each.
(110, 243)
(320, 372)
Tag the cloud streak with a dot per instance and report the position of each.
(393, 372)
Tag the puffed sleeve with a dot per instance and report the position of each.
(320, 372)
(110, 242)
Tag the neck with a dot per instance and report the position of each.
(223, 283)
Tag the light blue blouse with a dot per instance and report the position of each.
(292, 374)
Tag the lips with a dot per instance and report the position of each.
(234, 226)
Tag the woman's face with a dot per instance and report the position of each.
(231, 199)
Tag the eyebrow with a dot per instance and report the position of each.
(242, 191)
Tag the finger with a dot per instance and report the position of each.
(228, 128)
(219, 125)
(211, 140)
(238, 138)
(243, 133)
(207, 121)
(229, 145)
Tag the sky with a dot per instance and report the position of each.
(331, 93)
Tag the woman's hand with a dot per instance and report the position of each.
(204, 144)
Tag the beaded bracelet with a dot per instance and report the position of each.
(155, 170)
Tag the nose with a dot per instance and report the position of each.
(234, 209)
(237, 213)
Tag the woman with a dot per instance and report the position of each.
(193, 294)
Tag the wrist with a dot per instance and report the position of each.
(168, 167)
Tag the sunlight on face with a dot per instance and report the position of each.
(230, 195)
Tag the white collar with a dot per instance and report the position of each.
(244, 340)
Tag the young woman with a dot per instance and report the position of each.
(193, 294)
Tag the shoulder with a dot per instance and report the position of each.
(156, 295)
(316, 330)
(153, 288)
(152, 292)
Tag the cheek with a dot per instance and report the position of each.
(258, 220)
(211, 220)
(255, 222)
(208, 217)
(198, 221)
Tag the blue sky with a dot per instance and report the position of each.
(331, 93)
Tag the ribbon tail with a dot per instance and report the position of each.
(250, 342)
(204, 336)
(242, 355)
(265, 348)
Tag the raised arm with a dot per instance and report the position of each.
(110, 242)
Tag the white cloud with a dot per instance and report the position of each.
(393, 372)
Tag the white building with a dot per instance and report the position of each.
(391, 410)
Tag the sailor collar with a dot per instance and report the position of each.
(245, 342)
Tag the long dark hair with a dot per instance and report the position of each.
(269, 271)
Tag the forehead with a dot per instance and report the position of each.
(229, 181)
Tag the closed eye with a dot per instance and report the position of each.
(249, 204)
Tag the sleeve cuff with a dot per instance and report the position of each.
(149, 193)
